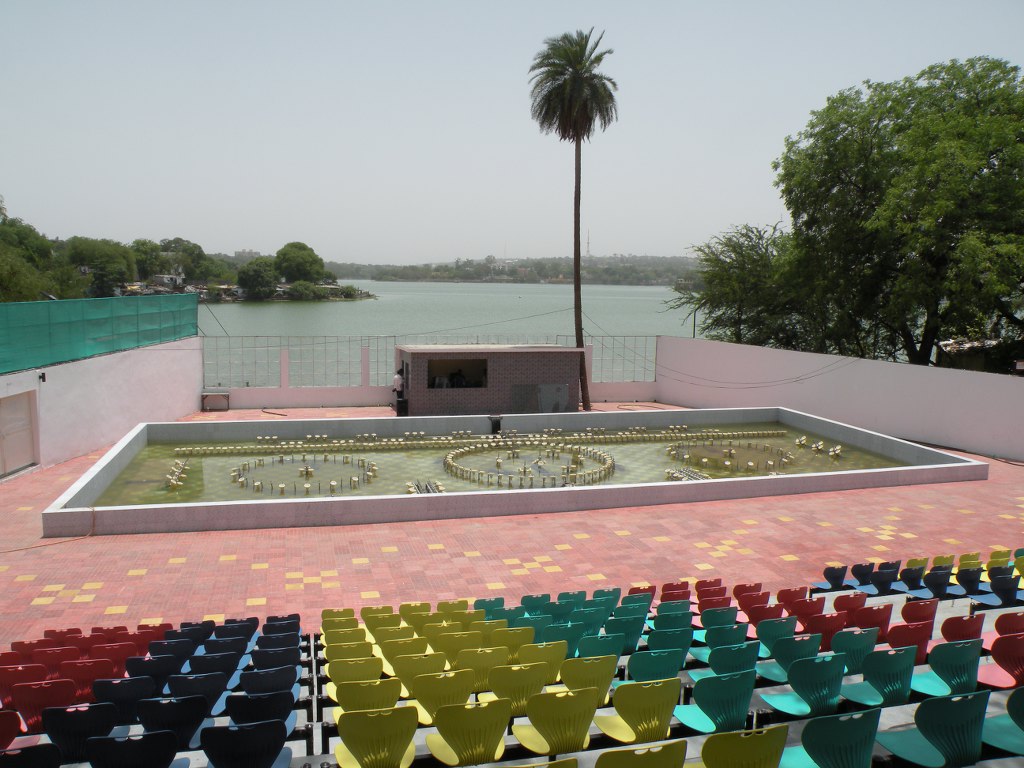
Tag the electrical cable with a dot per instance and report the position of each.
(92, 531)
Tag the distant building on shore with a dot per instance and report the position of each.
(248, 255)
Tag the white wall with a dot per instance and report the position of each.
(89, 404)
(978, 412)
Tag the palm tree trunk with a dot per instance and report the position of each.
(577, 293)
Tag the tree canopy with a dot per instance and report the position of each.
(297, 261)
(907, 202)
(907, 206)
(258, 278)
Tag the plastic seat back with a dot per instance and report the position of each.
(670, 754)
(890, 673)
(789, 649)
(747, 600)
(15, 674)
(357, 650)
(181, 715)
(157, 667)
(481, 661)
(532, 602)
(664, 639)
(841, 740)
(267, 680)
(450, 643)
(34, 756)
(631, 627)
(69, 727)
(956, 664)
(911, 577)
(849, 602)
(952, 725)
(344, 670)
(406, 646)
(154, 750)
(181, 649)
(679, 620)
(758, 613)
(817, 681)
(725, 699)
(731, 634)
(790, 595)
(470, 734)
(517, 683)
(248, 745)
(874, 616)
(914, 611)
(407, 668)
(673, 606)
(826, 625)
(761, 748)
(253, 707)
(569, 633)
(513, 638)
(215, 662)
(646, 708)
(561, 719)
(30, 699)
(10, 726)
(367, 694)
(488, 604)
(601, 645)
(936, 581)
(51, 658)
(590, 672)
(265, 658)
(855, 644)
(341, 636)
(437, 690)
(956, 628)
(210, 686)
(552, 654)
(835, 576)
(1005, 588)
(124, 693)
(1009, 623)
(1008, 653)
(917, 635)
(658, 665)
(401, 632)
(719, 617)
(339, 623)
(727, 659)
(771, 631)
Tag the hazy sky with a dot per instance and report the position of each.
(400, 131)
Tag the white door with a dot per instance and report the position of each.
(17, 444)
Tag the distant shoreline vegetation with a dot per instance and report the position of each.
(602, 270)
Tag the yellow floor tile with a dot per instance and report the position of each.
(256, 601)
(114, 610)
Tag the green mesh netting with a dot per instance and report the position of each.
(38, 333)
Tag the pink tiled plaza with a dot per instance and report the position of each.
(779, 541)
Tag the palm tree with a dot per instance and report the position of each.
(569, 97)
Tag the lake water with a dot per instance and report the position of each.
(457, 309)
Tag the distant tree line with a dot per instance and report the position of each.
(609, 270)
(907, 227)
(34, 267)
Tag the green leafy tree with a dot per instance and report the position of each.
(111, 264)
(19, 280)
(743, 299)
(149, 260)
(570, 97)
(258, 278)
(907, 201)
(297, 261)
(303, 290)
